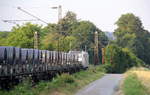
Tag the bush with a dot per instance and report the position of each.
(65, 78)
(118, 60)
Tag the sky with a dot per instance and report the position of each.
(103, 13)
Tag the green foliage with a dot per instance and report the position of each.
(131, 34)
(64, 84)
(53, 41)
(65, 78)
(50, 28)
(118, 60)
(67, 22)
(4, 34)
(72, 34)
(50, 41)
(3, 37)
(23, 36)
(70, 28)
(68, 34)
(21, 89)
(132, 86)
(68, 43)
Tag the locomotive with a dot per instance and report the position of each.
(18, 62)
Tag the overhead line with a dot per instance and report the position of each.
(20, 20)
(19, 8)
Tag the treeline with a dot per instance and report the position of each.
(131, 46)
(119, 60)
(68, 34)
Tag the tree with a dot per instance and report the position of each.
(65, 24)
(120, 59)
(3, 37)
(50, 28)
(4, 34)
(72, 34)
(131, 34)
(84, 32)
(23, 36)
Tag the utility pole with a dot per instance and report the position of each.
(59, 12)
(111, 57)
(36, 40)
(59, 26)
(103, 55)
(59, 18)
(96, 55)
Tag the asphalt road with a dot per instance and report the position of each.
(106, 85)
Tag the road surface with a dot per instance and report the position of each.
(107, 85)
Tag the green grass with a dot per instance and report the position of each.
(133, 86)
(64, 84)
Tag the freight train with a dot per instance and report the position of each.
(16, 63)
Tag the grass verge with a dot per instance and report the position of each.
(133, 83)
(64, 84)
